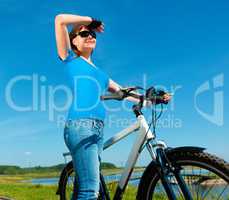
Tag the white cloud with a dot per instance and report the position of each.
(28, 153)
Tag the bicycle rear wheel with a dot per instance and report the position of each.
(67, 182)
(206, 176)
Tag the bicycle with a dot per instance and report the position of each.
(186, 172)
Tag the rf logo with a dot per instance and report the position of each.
(217, 116)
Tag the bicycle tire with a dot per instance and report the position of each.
(67, 172)
(183, 157)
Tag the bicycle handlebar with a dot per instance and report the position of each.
(153, 95)
(112, 96)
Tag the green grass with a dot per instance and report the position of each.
(19, 191)
(28, 192)
(12, 187)
(129, 194)
(118, 171)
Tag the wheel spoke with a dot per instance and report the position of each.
(206, 177)
(209, 189)
(202, 183)
(198, 189)
(192, 188)
(222, 191)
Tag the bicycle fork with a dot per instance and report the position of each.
(165, 168)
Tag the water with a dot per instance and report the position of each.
(43, 181)
(110, 178)
(134, 182)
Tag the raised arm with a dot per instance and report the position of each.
(61, 31)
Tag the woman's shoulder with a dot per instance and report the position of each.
(71, 55)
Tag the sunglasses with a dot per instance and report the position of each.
(85, 34)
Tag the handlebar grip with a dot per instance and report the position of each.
(119, 95)
(111, 96)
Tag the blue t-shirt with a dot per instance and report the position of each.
(87, 84)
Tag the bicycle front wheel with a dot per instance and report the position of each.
(206, 176)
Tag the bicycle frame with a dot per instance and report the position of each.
(144, 133)
(145, 138)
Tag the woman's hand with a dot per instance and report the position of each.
(96, 25)
(167, 97)
(100, 29)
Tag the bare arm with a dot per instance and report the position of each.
(115, 87)
(61, 32)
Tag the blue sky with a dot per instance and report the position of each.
(178, 44)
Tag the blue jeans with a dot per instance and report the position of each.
(84, 139)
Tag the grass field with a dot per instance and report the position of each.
(28, 192)
(21, 191)
(11, 186)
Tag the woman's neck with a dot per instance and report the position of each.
(86, 55)
(87, 60)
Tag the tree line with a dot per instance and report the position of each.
(11, 170)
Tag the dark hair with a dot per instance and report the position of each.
(72, 35)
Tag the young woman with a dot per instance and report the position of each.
(83, 131)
